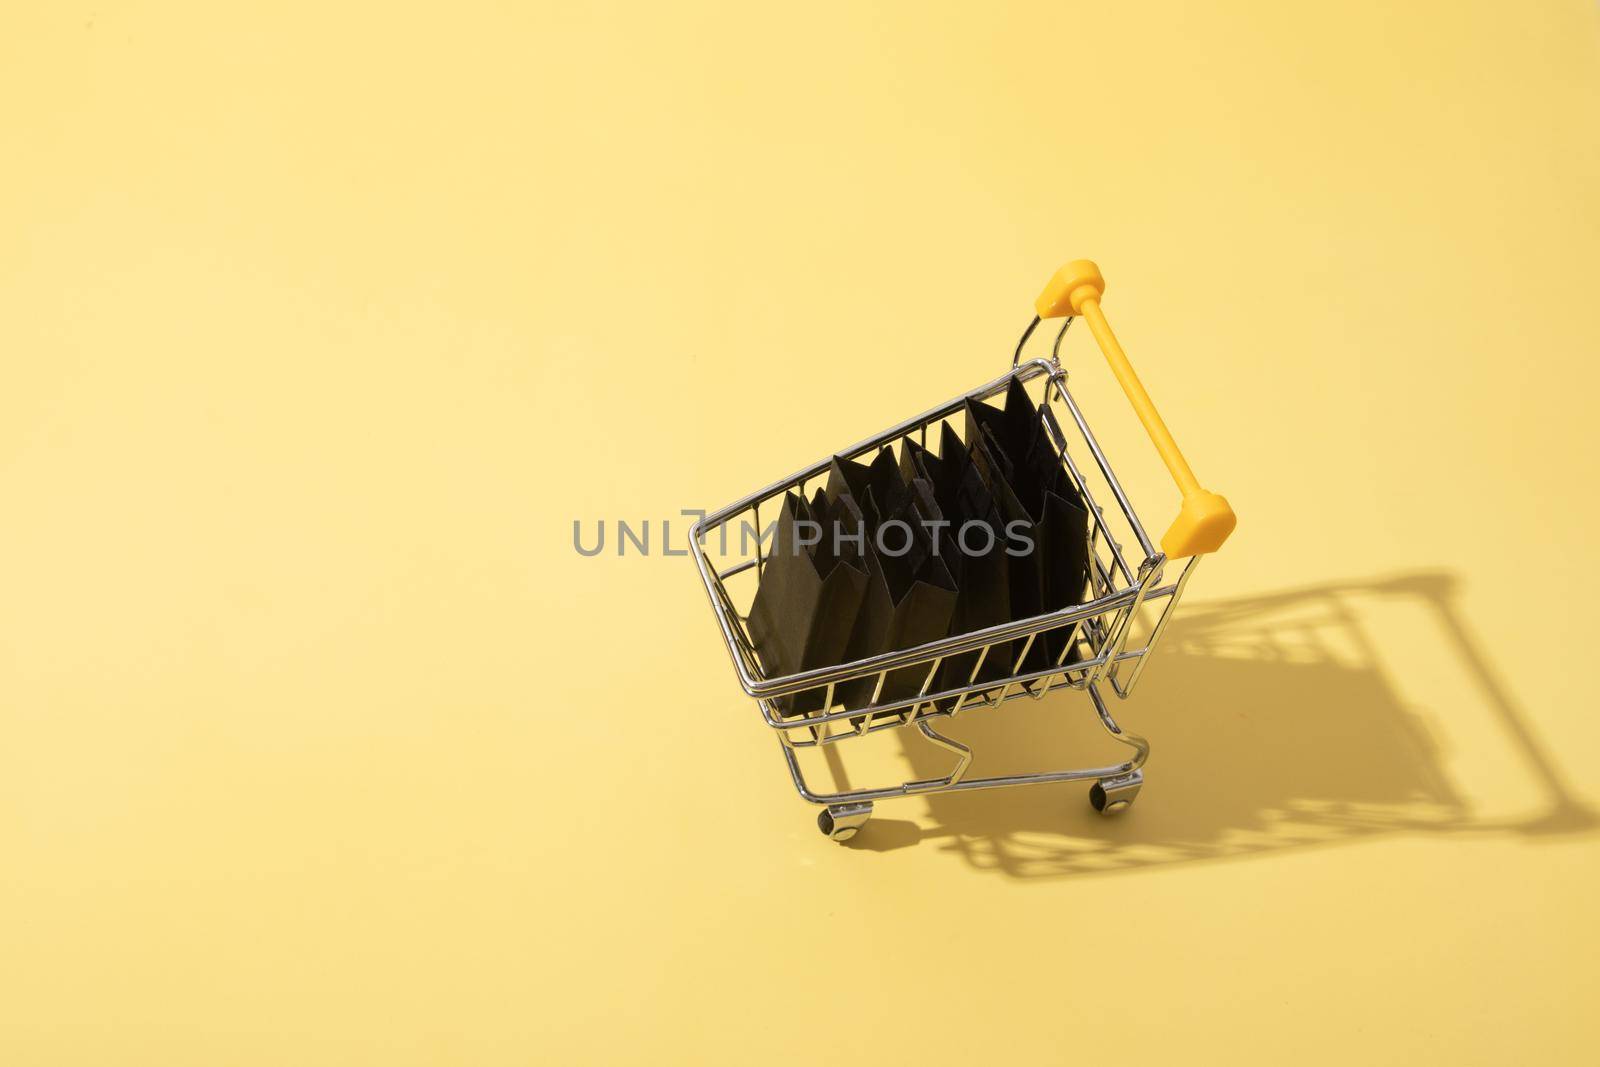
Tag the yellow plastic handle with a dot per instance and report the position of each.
(1205, 520)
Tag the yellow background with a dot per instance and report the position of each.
(321, 324)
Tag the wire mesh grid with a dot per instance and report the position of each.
(1107, 637)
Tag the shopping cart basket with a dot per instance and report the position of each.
(1107, 639)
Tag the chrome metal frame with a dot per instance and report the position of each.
(1099, 648)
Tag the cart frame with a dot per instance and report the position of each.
(1100, 648)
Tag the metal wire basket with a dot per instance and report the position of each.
(1107, 639)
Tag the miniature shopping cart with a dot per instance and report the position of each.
(1108, 638)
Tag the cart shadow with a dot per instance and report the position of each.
(1274, 727)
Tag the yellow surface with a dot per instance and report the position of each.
(322, 324)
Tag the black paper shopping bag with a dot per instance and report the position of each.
(806, 602)
(1024, 549)
(984, 597)
(1018, 446)
(881, 480)
(1063, 534)
(909, 600)
(936, 525)
(1010, 427)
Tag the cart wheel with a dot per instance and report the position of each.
(841, 821)
(1111, 796)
